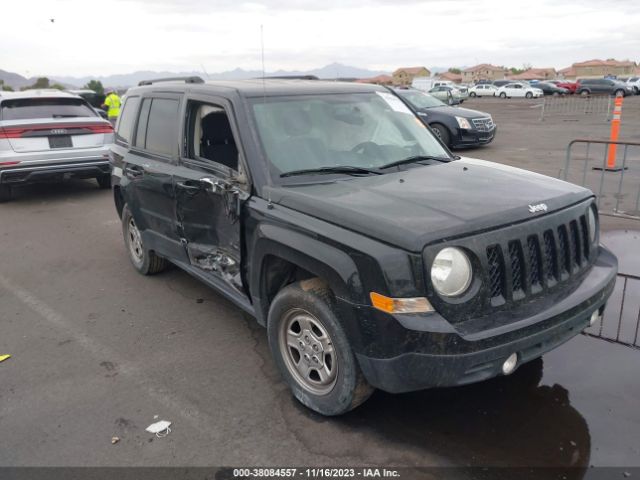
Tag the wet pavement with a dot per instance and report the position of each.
(99, 350)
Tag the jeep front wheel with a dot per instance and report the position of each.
(312, 351)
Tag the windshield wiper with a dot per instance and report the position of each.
(348, 169)
(414, 159)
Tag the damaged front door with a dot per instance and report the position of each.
(209, 195)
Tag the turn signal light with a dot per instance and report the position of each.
(400, 305)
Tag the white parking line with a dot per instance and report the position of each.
(157, 392)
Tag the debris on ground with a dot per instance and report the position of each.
(114, 440)
(161, 428)
(4, 357)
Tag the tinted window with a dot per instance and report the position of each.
(162, 128)
(126, 120)
(27, 108)
(141, 131)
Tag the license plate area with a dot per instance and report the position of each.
(60, 141)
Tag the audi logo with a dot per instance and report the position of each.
(58, 131)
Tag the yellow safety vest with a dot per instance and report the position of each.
(113, 102)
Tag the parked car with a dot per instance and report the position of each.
(372, 255)
(50, 135)
(456, 127)
(449, 95)
(501, 83)
(483, 90)
(634, 83)
(571, 86)
(549, 88)
(589, 86)
(514, 90)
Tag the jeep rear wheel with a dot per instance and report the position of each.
(312, 351)
(144, 261)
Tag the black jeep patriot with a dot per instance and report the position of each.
(374, 257)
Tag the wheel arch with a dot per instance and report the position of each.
(282, 257)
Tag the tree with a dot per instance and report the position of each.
(57, 86)
(457, 71)
(41, 82)
(96, 86)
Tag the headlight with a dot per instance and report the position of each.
(463, 122)
(593, 226)
(451, 272)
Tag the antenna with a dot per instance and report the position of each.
(205, 72)
(264, 102)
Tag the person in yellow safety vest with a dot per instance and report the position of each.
(112, 106)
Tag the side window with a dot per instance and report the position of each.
(141, 132)
(210, 138)
(162, 126)
(126, 120)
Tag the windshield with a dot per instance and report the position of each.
(420, 99)
(366, 130)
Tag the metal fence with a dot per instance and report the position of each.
(617, 189)
(621, 320)
(577, 106)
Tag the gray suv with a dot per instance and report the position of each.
(51, 135)
(607, 86)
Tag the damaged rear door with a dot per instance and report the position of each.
(208, 192)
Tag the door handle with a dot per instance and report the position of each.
(133, 171)
(214, 185)
(189, 185)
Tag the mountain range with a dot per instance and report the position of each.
(331, 71)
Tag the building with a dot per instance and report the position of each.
(484, 71)
(379, 80)
(404, 76)
(450, 76)
(535, 74)
(599, 68)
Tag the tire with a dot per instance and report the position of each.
(584, 93)
(636, 90)
(305, 330)
(144, 261)
(472, 94)
(442, 133)
(529, 95)
(620, 93)
(503, 95)
(104, 181)
(5, 193)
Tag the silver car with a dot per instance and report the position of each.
(50, 135)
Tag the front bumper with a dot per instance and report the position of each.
(88, 168)
(473, 138)
(418, 352)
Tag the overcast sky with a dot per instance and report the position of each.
(121, 36)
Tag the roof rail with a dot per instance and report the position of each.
(291, 77)
(193, 79)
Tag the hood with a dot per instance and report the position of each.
(457, 111)
(433, 202)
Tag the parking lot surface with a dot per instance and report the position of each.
(99, 351)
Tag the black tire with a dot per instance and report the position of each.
(472, 94)
(313, 298)
(528, 95)
(503, 95)
(147, 262)
(636, 90)
(619, 92)
(584, 93)
(5, 193)
(442, 133)
(104, 181)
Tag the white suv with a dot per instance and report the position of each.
(634, 83)
(51, 135)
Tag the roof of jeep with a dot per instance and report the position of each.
(261, 88)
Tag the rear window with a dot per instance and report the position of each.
(29, 108)
(127, 118)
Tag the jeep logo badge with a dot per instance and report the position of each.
(58, 131)
(540, 207)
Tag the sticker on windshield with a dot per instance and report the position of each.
(394, 102)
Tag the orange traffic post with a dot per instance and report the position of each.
(615, 132)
